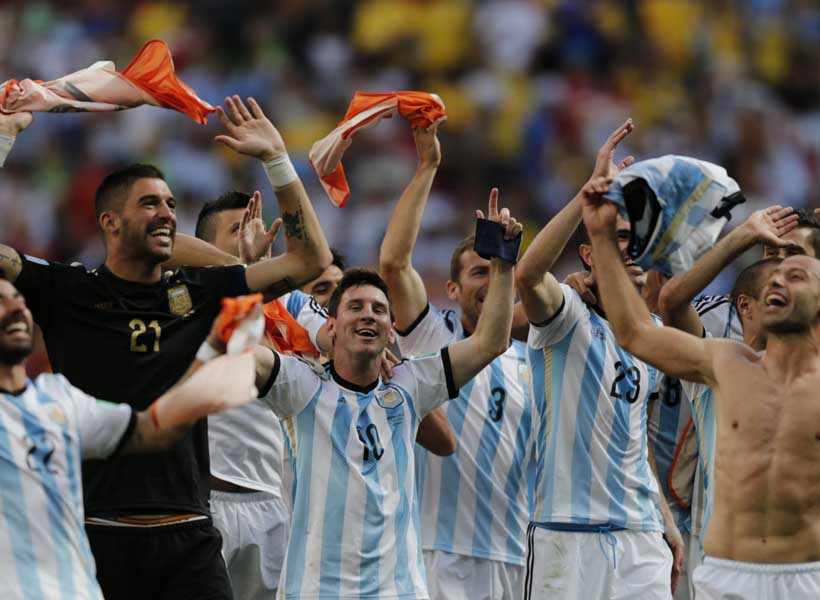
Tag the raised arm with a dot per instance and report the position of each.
(492, 333)
(10, 126)
(539, 291)
(306, 251)
(765, 226)
(395, 257)
(674, 352)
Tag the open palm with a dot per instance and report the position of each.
(250, 132)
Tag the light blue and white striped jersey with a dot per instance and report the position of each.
(675, 444)
(246, 443)
(591, 440)
(355, 530)
(476, 502)
(45, 433)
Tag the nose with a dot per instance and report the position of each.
(165, 211)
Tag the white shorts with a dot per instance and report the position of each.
(254, 530)
(718, 578)
(576, 565)
(456, 577)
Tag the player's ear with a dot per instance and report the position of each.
(585, 252)
(391, 336)
(452, 290)
(743, 305)
(109, 222)
(331, 328)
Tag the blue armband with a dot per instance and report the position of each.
(490, 242)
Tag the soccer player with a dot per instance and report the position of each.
(355, 529)
(474, 504)
(762, 539)
(126, 331)
(596, 531)
(322, 287)
(46, 427)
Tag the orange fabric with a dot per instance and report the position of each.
(233, 311)
(365, 110)
(284, 332)
(152, 70)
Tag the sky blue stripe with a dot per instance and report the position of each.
(298, 537)
(667, 438)
(406, 508)
(518, 475)
(333, 525)
(586, 411)
(56, 515)
(421, 471)
(16, 520)
(545, 467)
(296, 302)
(485, 457)
(373, 522)
(653, 519)
(450, 478)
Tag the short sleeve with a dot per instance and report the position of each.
(555, 329)
(104, 427)
(432, 330)
(36, 282)
(222, 281)
(292, 383)
(432, 380)
(307, 313)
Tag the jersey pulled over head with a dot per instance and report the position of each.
(677, 206)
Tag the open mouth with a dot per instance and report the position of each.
(775, 299)
(367, 333)
(163, 234)
(16, 326)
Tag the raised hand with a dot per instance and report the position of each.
(428, 148)
(512, 227)
(249, 132)
(14, 123)
(769, 225)
(605, 159)
(599, 213)
(254, 238)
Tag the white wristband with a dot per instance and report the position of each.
(280, 172)
(206, 352)
(6, 142)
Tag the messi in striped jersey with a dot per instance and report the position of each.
(475, 503)
(355, 528)
(47, 427)
(597, 526)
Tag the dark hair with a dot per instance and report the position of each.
(109, 194)
(749, 281)
(355, 278)
(228, 201)
(463, 246)
(807, 218)
(582, 239)
(339, 259)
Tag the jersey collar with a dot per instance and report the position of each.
(362, 389)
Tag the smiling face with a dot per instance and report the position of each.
(16, 326)
(791, 297)
(146, 225)
(470, 290)
(362, 326)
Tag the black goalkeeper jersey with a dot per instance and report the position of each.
(129, 342)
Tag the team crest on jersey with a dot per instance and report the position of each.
(389, 398)
(57, 415)
(179, 300)
(524, 372)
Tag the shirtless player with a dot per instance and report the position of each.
(763, 540)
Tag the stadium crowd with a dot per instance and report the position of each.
(571, 415)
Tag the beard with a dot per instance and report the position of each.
(13, 355)
(136, 240)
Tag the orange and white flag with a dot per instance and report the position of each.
(148, 79)
(365, 110)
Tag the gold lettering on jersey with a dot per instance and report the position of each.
(179, 300)
(138, 328)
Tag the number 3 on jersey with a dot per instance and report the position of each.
(497, 397)
(633, 383)
(140, 335)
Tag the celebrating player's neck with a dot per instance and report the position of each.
(790, 355)
(131, 268)
(12, 377)
(360, 369)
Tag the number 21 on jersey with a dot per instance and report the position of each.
(141, 337)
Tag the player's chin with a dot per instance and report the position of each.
(14, 352)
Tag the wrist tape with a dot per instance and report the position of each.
(206, 352)
(490, 242)
(280, 172)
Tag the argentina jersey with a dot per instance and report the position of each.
(703, 415)
(674, 442)
(476, 502)
(45, 432)
(591, 441)
(355, 530)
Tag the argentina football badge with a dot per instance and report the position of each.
(179, 300)
(389, 398)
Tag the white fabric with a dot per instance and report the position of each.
(254, 530)
(591, 429)
(571, 565)
(720, 579)
(476, 501)
(458, 577)
(45, 432)
(355, 528)
(246, 443)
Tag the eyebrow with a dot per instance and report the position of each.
(155, 197)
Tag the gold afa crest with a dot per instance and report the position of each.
(389, 399)
(179, 300)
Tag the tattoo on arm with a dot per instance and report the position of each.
(294, 225)
(279, 288)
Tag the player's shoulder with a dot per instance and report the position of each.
(307, 366)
